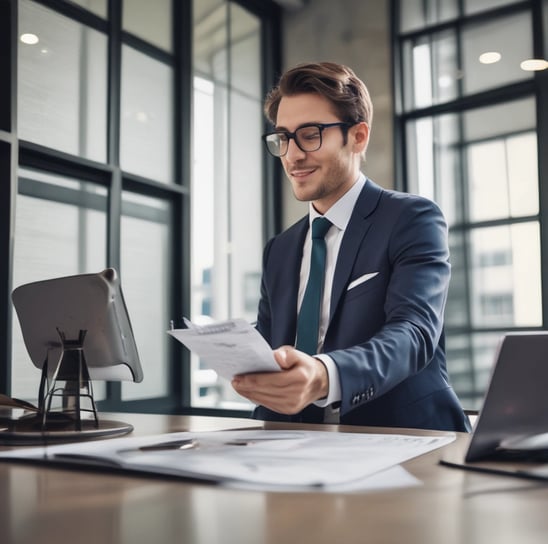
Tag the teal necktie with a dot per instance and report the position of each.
(308, 322)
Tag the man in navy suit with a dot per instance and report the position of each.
(380, 357)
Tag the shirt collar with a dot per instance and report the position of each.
(339, 214)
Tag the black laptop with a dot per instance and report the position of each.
(514, 417)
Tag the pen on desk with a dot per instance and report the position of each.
(185, 444)
(190, 443)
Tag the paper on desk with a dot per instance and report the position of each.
(228, 347)
(266, 460)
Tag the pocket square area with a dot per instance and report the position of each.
(360, 280)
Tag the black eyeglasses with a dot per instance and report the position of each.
(307, 137)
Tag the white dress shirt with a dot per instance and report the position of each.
(339, 215)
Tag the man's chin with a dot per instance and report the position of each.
(304, 195)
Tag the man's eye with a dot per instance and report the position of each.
(309, 134)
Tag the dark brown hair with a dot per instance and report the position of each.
(336, 82)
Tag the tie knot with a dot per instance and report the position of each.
(320, 226)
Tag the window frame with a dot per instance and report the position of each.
(15, 153)
(536, 87)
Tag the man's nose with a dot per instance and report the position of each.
(294, 152)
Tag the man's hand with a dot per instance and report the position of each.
(303, 380)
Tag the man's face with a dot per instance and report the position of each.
(321, 176)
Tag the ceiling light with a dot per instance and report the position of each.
(490, 57)
(29, 39)
(534, 65)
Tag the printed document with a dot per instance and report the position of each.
(228, 347)
(267, 460)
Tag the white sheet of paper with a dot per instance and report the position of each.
(229, 347)
(266, 460)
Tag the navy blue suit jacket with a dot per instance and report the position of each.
(386, 334)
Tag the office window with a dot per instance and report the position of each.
(227, 191)
(151, 21)
(104, 140)
(147, 225)
(419, 14)
(60, 230)
(62, 83)
(469, 58)
(146, 123)
(98, 7)
(470, 135)
(416, 14)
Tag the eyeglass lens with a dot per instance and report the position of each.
(308, 139)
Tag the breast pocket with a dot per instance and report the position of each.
(362, 284)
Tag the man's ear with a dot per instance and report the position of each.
(360, 137)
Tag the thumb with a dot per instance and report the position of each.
(283, 356)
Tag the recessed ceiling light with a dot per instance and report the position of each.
(534, 65)
(490, 57)
(29, 39)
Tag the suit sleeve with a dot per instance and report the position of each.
(416, 250)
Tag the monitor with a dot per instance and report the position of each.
(86, 302)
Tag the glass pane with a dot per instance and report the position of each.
(457, 309)
(60, 230)
(416, 14)
(245, 53)
(433, 162)
(475, 6)
(492, 37)
(146, 126)
(498, 147)
(227, 173)
(245, 194)
(99, 7)
(210, 33)
(505, 281)
(146, 279)
(151, 21)
(62, 83)
(470, 361)
(503, 178)
(431, 72)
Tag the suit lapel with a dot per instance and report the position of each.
(285, 271)
(359, 224)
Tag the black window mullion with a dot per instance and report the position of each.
(180, 383)
(8, 168)
(114, 210)
(540, 48)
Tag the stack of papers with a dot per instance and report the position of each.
(266, 460)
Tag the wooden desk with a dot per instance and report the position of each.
(47, 505)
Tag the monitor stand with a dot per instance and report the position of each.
(64, 379)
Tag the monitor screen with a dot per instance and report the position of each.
(93, 303)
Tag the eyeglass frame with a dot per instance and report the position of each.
(292, 135)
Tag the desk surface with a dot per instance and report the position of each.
(49, 505)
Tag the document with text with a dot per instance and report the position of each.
(265, 460)
(229, 347)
